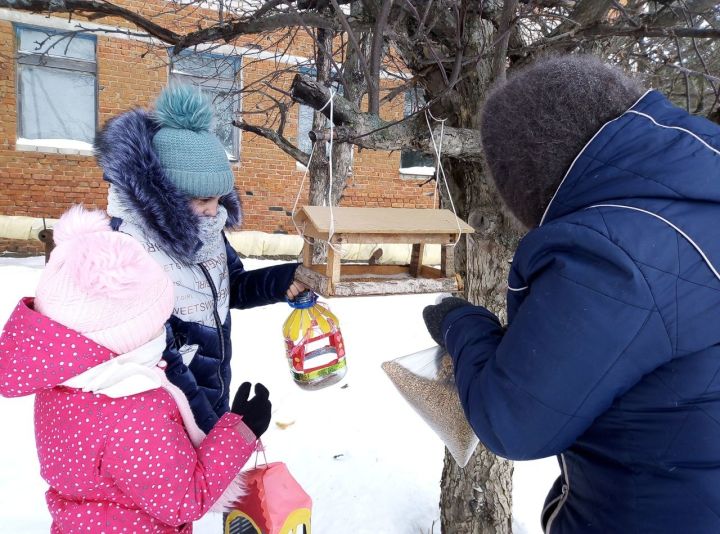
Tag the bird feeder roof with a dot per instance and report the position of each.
(379, 221)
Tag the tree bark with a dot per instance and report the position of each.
(478, 498)
(318, 166)
(367, 130)
(322, 189)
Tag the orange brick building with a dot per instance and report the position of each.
(55, 93)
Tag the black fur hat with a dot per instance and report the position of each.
(534, 125)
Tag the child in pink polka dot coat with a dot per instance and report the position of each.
(117, 442)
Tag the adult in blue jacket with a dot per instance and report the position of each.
(611, 355)
(172, 188)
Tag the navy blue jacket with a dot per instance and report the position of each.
(124, 150)
(206, 381)
(611, 356)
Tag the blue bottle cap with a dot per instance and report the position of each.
(306, 299)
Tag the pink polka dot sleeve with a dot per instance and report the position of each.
(151, 459)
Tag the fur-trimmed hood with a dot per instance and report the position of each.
(125, 152)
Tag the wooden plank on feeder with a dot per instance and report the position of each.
(332, 269)
(363, 280)
(416, 259)
(408, 222)
(447, 260)
(394, 287)
(379, 239)
(307, 252)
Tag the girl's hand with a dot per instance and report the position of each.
(295, 289)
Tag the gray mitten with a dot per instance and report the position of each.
(434, 315)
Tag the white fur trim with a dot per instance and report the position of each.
(136, 372)
(234, 492)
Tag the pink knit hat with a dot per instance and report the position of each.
(103, 284)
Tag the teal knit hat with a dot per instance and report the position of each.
(192, 157)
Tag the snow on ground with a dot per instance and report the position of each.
(369, 462)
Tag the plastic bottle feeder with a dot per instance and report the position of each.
(313, 343)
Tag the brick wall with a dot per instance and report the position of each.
(22, 247)
(45, 184)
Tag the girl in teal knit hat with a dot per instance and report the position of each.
(172, 188)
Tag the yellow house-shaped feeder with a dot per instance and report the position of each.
(417, 227)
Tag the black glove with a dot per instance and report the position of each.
(256, 411)
(434, 315)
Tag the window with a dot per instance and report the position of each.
(412, 161)
(217, 77)
(56, 86)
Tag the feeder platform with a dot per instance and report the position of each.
(417, 227)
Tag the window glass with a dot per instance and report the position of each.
(57, 85)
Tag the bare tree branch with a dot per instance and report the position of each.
(276, 138)
(670, 17)
(599, 31)
(690, 72)
(500, 55)
(373, 85)
(93, 6)
(221, 32)
(458, 143)
(609, 30)
(368, 130)
(376, 55)
(230, 30)
(585, 12)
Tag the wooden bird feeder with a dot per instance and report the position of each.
(418, 227)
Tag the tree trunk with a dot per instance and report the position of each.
(318, 165)
(478, 498)
(322, 191)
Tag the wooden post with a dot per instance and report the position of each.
(46, 237)
(416, 259)
(447, 260)
(307, 254)
(333, 267)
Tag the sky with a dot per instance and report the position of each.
(369, 462)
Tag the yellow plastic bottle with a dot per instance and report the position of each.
(314, 343)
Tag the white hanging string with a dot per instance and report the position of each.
(439, 170)
(331, 231)
(297, 198)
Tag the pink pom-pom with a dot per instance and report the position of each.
(77, 222)
(111, 264)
